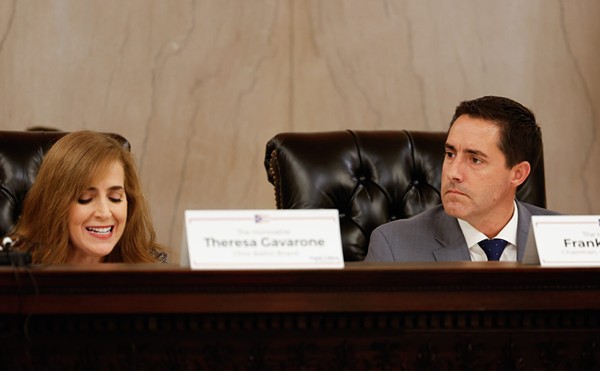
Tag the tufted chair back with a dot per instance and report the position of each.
(371, 177)
(21, 154)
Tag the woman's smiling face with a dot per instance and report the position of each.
(97, 218)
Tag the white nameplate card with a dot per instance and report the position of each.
(262, 239)
(564, 241)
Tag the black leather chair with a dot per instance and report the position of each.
(371, 177)
(21, 154)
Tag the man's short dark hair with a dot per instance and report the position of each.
(520, 135)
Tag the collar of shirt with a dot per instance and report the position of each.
(508, 233)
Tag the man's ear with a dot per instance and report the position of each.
(520, 172)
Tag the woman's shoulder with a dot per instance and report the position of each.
(161, 256)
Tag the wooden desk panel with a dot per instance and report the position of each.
(364, 317)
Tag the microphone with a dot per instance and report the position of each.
(10, 257)
(7, 243)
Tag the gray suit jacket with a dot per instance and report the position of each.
(433, 235)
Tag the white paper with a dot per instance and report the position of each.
(263, 239)
(565, 241)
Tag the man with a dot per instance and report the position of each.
(492, 145)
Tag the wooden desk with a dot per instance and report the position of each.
(364, 317)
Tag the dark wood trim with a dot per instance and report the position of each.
(366, 316)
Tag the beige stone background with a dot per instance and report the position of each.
(199, 86)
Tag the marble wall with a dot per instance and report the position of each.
(199, 86)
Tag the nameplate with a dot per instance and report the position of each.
(564, 241)
(262, 239)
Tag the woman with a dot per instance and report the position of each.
(86, 206)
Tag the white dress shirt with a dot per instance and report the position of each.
(508, 233)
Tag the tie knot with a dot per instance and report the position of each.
(493, 248)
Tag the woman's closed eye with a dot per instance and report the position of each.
(84, 200)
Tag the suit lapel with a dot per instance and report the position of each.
(448, 234)
(522, 230)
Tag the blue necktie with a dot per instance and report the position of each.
(493, 248)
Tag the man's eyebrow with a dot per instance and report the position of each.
(476, 153)
(473, 152)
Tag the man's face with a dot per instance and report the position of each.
(477, 186)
